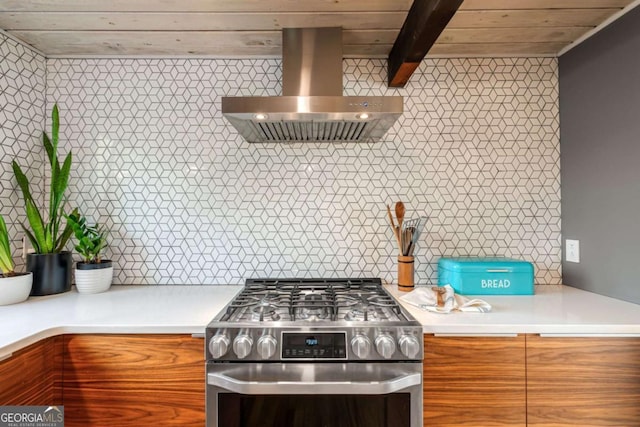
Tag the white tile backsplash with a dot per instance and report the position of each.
(188, 201)
(22, 102)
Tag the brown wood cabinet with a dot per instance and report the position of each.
(474, 381)
(134, 380)
(151, 380)
(531, 380)
(585, 382)
(32, 376)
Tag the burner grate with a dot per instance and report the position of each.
(312, 300)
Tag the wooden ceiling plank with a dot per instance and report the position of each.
(72, 44)
(530, 18)
(193, 42)
(138, 21)
(542, 4)
(496, 49)
(350, 51)
(424, 24)
(352, 37)
(153, 43)
(203, 6)
(366, 50)
(511, 35)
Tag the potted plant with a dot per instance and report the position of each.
(50, 264)
(93, 274)
(14, 287)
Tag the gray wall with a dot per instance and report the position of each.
(600, 159)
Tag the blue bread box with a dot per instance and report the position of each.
(486, 276)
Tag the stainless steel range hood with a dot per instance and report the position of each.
(312, 107)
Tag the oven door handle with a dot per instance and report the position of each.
(314, 387)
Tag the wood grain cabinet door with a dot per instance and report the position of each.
(32, 376)
(133, 380)
(474, 381)
(585, 382)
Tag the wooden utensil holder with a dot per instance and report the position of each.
(405, 273)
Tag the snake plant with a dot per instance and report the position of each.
(6, 262)
(47, 236)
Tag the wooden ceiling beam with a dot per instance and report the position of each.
(422, 27)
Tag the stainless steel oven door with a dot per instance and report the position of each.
(314, 394)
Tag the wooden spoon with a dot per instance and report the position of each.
(393, 225)
(400, 214)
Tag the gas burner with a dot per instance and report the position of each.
(312, 314)
(382, 301)
(313, 300)
(244, 301)
(362, 311)
(271, 298)
(255, 287)
(264, 312)
(312, 307)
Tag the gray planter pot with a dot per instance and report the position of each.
(51, 273)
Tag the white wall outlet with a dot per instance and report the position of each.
(572, 250)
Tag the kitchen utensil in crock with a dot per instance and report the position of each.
(400, 213)
(393, 225)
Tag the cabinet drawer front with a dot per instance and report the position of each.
(586, 382)
(474, 381)
(134, 380)
(33, 375)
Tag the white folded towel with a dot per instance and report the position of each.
(443, 299)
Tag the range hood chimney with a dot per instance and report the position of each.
(312, 107)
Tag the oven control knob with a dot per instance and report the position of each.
(219, 345)
(266, 346)
(409, 345)
(361, 346)
(242, 345)
(385, 345)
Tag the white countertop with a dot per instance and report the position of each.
(553, 310)
(188, 309)
(120, 310)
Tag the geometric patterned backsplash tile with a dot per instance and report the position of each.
(22, 102)
(187, 200)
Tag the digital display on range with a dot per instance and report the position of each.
(314, 345)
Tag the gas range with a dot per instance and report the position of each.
(313, 320)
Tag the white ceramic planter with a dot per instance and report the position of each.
(15, 289)
(94, 281)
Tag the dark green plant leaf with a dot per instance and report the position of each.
(23, 182)
(54, 199)
(63, 178)
(6, 261)
(55, 126)
(47, 146)
(37, 225)
(32, 239)
(66, 234)
(4, 235)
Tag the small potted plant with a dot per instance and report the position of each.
(14, 287)
(50, 263)
(93, 274)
